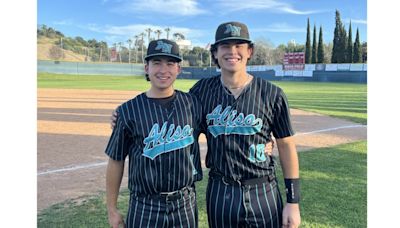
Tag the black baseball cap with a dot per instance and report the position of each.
(163, 47)
(232, 31)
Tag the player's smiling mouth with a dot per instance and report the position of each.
(163, 77)
(232, 59)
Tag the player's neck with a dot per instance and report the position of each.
(160, 93)
(235, 80)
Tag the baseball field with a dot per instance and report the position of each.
(73, 129)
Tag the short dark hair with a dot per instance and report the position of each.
(214, 48)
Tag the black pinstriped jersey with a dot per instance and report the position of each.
(238, 129)
(162, 144)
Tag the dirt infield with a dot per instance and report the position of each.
(73, 130)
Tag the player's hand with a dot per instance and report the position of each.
(115, 219)
(291, 216)
(269, 147)
(113, 118)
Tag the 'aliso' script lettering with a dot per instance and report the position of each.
(229, 122)
(166, 140)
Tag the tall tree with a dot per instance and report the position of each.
(349, 48)
(314, 46)
(158, 32)
(142, 45)
(263, 53)
(167, 30)
(148, 30)
(136, 45)
(364, 51)
(308, 45)
(357, 49)
(320, 49)
(342, 46)
(178, 36)
(338, 49)
(119, 52)
(129, 41)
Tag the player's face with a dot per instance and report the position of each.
(162, 72)
(233, 55)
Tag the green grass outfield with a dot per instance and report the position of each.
(334, 193)
(342, 100)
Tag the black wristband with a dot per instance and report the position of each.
(292, 190)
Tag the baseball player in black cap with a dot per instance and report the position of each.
(241, 113)
(159, 131)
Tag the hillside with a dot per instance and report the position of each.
(44, 44)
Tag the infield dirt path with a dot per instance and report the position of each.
(73, 131)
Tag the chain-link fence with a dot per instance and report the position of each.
(83, 68)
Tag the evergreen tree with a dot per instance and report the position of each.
(357, 49)
(320, 49)
(364, 52)
(314, 46)
(342, 50)
(349, 49)
(308, 45)
(339, 46)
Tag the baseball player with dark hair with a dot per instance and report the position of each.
(159, 132)
(240, 114)
(241, 111)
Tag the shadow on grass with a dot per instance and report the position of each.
(333, 183)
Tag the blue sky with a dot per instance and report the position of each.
(275, 21)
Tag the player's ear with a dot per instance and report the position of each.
(213, 50)
(146, 68)
(250, 50)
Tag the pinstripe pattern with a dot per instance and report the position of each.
(237, 130)
(164, 156)
(170, 170)
(243, 206)
(265, 101)
(145, 212)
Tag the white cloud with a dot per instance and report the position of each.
(64, 22)
(280, 27)
(271, 5)
(167, 7)
(122, 33)
(355, 21)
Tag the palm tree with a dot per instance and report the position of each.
(158, 32)
(129, 41)
(136, 45)
(148, 30)
(120, 45)
(167, 30)
(178, 36)
(142, 35)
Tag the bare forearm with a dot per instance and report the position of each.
(288, 157)
(290, 168)
(115, 171)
